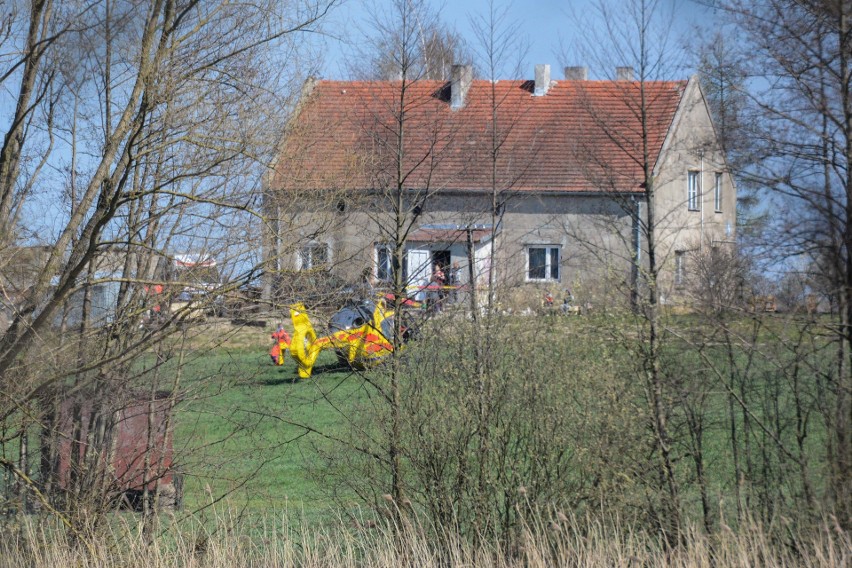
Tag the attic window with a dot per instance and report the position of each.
(692, 191)
(717, 193)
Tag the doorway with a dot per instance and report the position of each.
(441, 258)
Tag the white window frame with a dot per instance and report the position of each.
(717, 192)
(680, 268)
(549, 265)
(305, 256)
(693, 190)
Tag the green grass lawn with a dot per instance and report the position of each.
(248, 434)
(239, 432)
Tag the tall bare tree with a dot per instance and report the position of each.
(500, 53)
(433, 48)
(638, 51)
(403, 136)
(805, 107)
(137, 126)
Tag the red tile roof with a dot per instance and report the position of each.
(580, 136)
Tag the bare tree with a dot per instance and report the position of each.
(639, 46)
(432, 48)
(805, 108)
(148, 120)
(724, 74)
(718, 278)
(500, 51)
(401, 138)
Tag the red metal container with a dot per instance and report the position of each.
(124, 447)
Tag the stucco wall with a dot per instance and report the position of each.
(594, 234)
(692, 146)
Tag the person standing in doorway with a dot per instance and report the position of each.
(437, 287)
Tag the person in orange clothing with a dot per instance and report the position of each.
(280, 336)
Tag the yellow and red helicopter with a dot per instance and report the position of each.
(360, 332)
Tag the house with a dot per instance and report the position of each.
(539, 183)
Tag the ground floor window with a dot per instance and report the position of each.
(385, 263)
(543, 263)
(680, 268)
(313, 255)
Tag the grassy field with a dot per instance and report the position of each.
(252, 441)
(249, 432)
(244, 429)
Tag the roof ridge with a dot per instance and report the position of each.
(500, 81)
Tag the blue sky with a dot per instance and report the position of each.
(547, 25)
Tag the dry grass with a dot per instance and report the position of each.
(217, 333)
(544, 544)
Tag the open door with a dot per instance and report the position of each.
(442, 258)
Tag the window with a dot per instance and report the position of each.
(386, 266)
(313, 255)
(680, 267)
(543, 263)
(692, 193)
(717, 193)
(384, 263)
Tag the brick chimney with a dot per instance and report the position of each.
(576, 73)
(461, 77)
(624, 73)
(542, 79)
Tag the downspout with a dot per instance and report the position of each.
(701, 197)
(637, 254)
